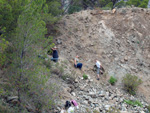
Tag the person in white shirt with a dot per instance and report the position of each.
(70, 109)
(99, 66)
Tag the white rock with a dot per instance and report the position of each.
(107, 107)
(73, 93)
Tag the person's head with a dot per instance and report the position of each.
(55, 47)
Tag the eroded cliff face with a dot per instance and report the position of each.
(120, 40)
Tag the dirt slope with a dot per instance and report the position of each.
(121, 41)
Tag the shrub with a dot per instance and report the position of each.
(110, 5)
(133, 103)
(131, 82)
(120, 4)
(6, 108)
(85, 76)
(65, 76)
(3, 46)
(58, 70)
(112, 80)
(106, 8)
(47, 63)
(74, 8)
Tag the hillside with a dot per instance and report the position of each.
(120, 40)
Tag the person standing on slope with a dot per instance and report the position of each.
(99, 67)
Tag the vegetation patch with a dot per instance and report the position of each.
(112, 80)
(131, 83)
(85, 77)
(133, 103)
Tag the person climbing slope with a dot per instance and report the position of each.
(76, 63)
(66, 107)
(71, 109)
(99, 68)
(55, 54)
(75, 103)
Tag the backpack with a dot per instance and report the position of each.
(67, 105)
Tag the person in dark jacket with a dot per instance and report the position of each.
(55, 54)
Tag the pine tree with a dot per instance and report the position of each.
(27, 76)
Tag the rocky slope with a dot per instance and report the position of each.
(120, 40)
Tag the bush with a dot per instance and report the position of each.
(3, 46)
(47, 63)
(58, 70)
(112, 80)
(73, 9)
(106, 8)
(133, 103)
(131, 83)
(67, 76)
(110, 5)
(120, 4)
(85, 76)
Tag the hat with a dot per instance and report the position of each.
(55, 47)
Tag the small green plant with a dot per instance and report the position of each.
(95, 111)
(112, 80)
(87, 110)
(138, 42)
(113, 110)
(85, 76)
(131, 83)
(133, 103)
